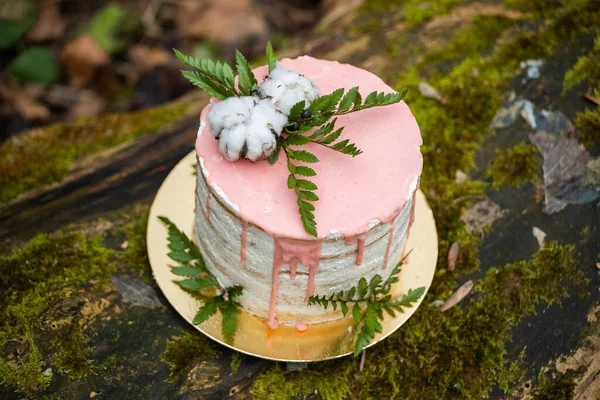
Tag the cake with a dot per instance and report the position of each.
(247, 225)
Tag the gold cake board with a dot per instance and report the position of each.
(175, 200)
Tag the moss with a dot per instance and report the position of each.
(136, 253)
(479, 35)
(51, 262)
(182, 352)
(587, 126)
(24, 372)
(587, 67)
(516, 166)
(236, 361)
(43, 156)
(556, 387)
(416, 11)
(34, 281)
(541, 7)
(327, 380)
(72, 353)
(575, 18)
(587, 123)
(525, 46)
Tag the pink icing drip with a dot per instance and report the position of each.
(360, 245)
(412, 209)
(301, 326)
(291, 251)
(244, 240)
(293, 269)
(387, 249)
(272, 321)
(310, 289)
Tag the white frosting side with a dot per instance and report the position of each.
(202, 124)
(219, 238)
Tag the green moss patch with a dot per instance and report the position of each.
(554, 386)
(36, 284)
(516, 166)
(572, 19)
(481, 34)
(417, 11)
(587, 68)
(327, 380)
(236, 361)
(587, 126)
(414, 11)
(43, 156)
(136, 253)
(182, 352)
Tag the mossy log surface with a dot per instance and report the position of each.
(80, 316)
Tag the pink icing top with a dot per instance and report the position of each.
(352, 190)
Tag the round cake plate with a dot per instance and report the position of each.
(175, 200)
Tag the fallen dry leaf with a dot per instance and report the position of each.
(24, 102)
(50, 25)
(229, 22)
(452, 256)
(143, 59)
(30, 109)
(460, 177)
(430, 92)
(125, 244)
(146, 57)
(363, 357)
(591, 98)
(62, 95)
(540, 235)
(457, 296)
(88, 103)
(82, 57)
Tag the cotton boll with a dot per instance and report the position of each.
(260, 141)
(286, 88)
(232, 141)
(311, 90)
(249, 127)
(272, 88)
(284, 75)
(266, 111)
(228, 113)
(294, 94)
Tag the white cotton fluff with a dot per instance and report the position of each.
(228, 113)
(246, 127)
(286, 88)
